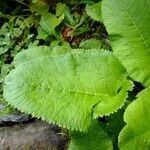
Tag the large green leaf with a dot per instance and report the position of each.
(136, 134)
(94, 139)
(128, 23)
(64, 89)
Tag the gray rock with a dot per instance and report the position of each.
(32, 136)
(14, 118)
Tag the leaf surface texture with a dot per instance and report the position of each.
(38, 52)
(69, 89)
(136, 134)
(127, 22)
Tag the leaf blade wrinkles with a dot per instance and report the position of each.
(64, 89)
(128, 24)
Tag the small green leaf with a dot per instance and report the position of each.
(39, 7)
(42, 34)
(94, 139)
(94, 11)
(3, 49)
(60, 9)
(49, 22)
(136, 134)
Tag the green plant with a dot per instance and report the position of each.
(14, 37)
(75, 88)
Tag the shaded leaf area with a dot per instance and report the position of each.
(137, 87)
(112, 125)
(94, 139)
(136, 134)
(129, 29)
(69, 89)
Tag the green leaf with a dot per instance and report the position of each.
(5, 69)
(63, 9)
(136, 134)
(94, 11)
(42, 34)
(91, 44)
(39, 7)
(60, 9)
(128, 21)
(94, 139)
(49, 22)
(64, 89)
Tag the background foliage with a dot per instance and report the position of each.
(71, 38)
